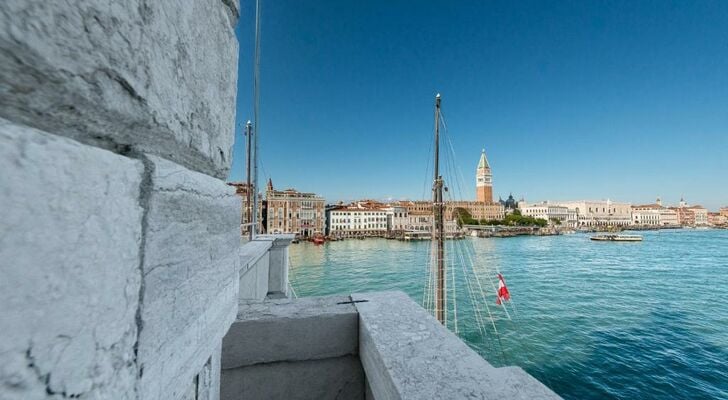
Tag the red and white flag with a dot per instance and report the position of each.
(503, 294)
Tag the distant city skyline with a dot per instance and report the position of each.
(588, 100)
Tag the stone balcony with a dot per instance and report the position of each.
(363, 346)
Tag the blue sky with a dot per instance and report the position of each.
(624, 100)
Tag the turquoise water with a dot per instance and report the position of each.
(593, 320)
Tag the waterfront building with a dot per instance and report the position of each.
(484, 180)
(654, 214)
(716, 219)
(685, 216)
(646, 217)
(478, 210)
(419, 221)
(700, 214)
(550, 212)
(723, 211)
(668, 217)
(291, 211)
(594, 213)
(241, 189)
(396, 219)
(691, 215)
(647, 214)
(416, 206)
(360, 218)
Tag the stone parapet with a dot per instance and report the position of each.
(408, 354)
(291, 330)
(317, 347)
(278, 270)
(293, 349)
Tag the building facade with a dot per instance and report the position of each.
(291, 211)
(477, 209)
(647, 214)
(685, 216)
(241, 189)
(716, 219)
(688, 215)
(700, 214)
(361, 218)
(668, 217)
(554, 214)
(654, 214)
(396, 219)
(595, 213)
(646, 217)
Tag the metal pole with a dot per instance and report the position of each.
(256, 126)
(249, 188)
(439, 235)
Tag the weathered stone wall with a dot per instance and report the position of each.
(155, 76)
(119, 241)
(293, 349)
(69, 267)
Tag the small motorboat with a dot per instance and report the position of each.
(318, 239)
(617, 238)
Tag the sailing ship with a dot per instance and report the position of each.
(455, 276)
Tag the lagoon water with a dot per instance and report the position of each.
(592, 320)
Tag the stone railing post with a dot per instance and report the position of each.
(278, 264)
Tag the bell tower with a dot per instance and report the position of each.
(484, 180)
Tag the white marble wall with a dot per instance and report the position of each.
(119, 241)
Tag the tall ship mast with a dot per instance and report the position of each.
(438, 236)
(456, 276)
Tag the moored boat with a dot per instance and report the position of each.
(617, 238)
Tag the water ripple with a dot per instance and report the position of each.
(594, 320)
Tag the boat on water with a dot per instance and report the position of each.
(417, 235)
(617, 238)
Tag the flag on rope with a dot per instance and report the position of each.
(503, 294)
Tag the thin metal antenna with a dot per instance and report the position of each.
(249, 192)
(256, 126)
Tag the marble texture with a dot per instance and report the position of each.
(69, 275)
(139, 76)
(190, 267)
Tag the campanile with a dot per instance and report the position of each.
(484, 180)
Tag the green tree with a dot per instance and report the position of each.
(464, 217)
